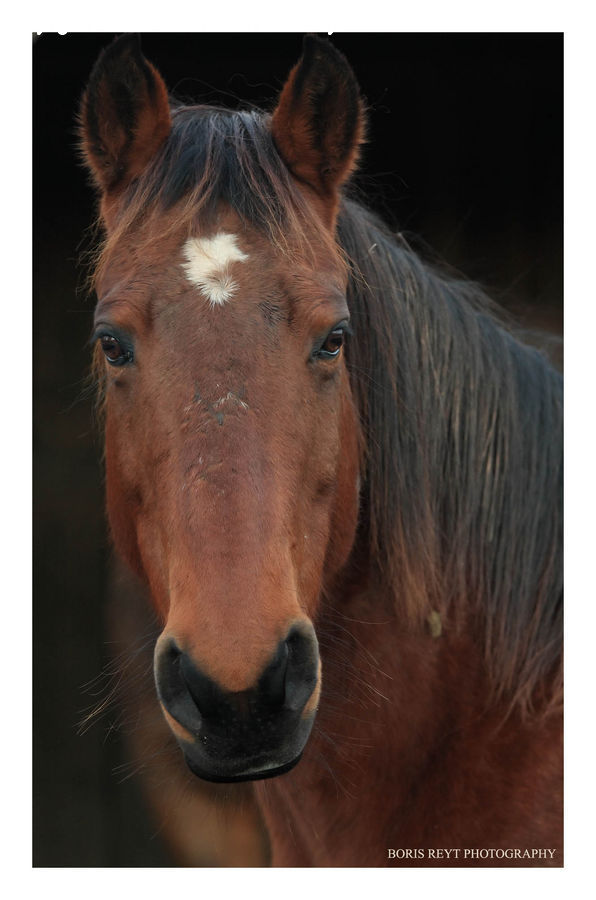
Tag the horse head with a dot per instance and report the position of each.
(233, 447)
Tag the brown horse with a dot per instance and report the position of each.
(339, 475)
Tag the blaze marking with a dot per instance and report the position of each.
(207, 265)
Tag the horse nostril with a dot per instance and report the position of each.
(202, 689)
(291, 676)
(303, 665)
(173, 673)
(272, 683)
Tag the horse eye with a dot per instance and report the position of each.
(115, 354)
(332, 343)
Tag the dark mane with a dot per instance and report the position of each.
(462, 494)
(464, 477)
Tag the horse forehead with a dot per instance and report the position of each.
(221, 266)
(218, 263)
(208, 263)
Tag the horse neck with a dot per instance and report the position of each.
(403, 720)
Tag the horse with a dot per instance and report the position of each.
(336, 469)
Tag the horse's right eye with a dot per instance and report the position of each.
(113, 350)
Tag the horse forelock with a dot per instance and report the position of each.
(216, 158)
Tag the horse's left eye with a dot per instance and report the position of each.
(113, 350)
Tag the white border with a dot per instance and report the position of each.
(510, 15)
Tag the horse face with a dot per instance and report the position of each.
(232, 449)
(232, 466)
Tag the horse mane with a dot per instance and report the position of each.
(463, 422)
(461, 497)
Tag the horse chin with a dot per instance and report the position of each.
(220, 776)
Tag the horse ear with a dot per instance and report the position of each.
(318, 125)
(125, 115)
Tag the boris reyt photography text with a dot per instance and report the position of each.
(463, 854)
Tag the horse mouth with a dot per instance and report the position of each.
(248, 773)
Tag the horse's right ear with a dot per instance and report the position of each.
(124, 116)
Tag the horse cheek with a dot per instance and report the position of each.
(122, 503)
(344, 513)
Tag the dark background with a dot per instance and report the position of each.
(465, 150)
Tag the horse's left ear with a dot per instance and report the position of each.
(318, 125)
(124, 117)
